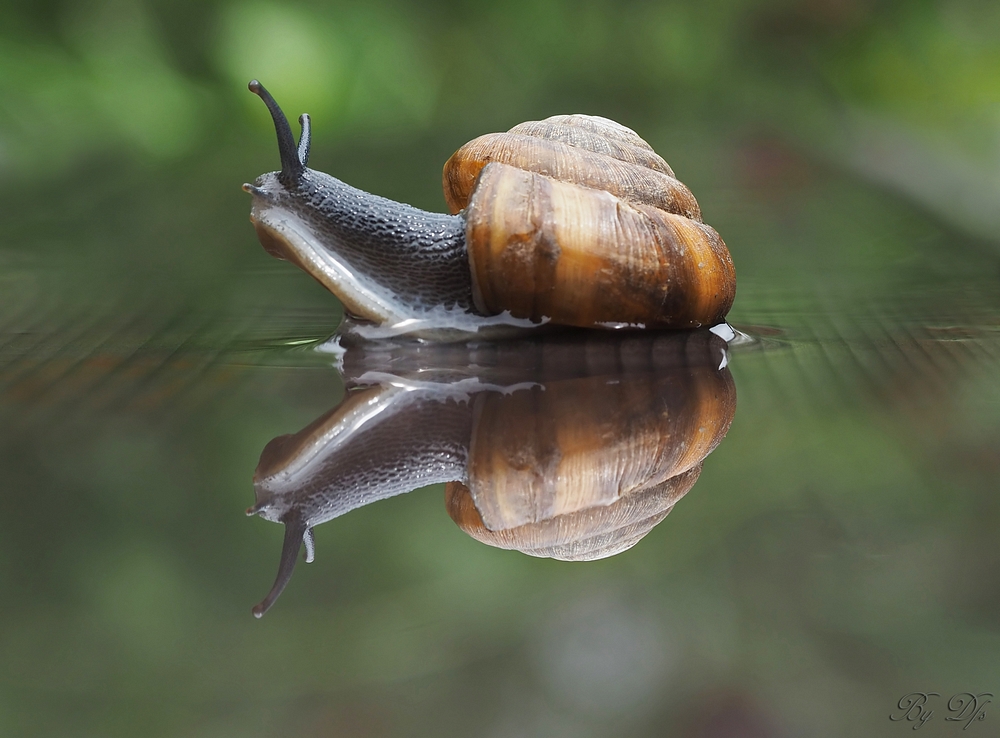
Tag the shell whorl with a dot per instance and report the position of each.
(576, 220)
(589, 151)
(582, 535)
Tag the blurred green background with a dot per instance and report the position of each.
(839, 550)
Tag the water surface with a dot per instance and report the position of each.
(837, 550)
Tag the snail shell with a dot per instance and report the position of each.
(541, 248)
(579, 149)
(573, 220)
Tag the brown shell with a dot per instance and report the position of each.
(582, 468)
(584, 535)
(544, 249)
(600, 135)
(576, 220)
(627, 175)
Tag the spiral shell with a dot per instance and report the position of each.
(576, 220)
(587, 534)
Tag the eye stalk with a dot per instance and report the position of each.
(293, 158)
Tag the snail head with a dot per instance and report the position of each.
(275, 188)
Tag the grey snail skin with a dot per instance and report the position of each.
(569, 221)
(569, 445)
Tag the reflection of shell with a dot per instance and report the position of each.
(583, 468)
(583, 535)
(576, 220)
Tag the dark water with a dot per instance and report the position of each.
(837, 552)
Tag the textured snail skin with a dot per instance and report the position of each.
(570, 446)
(570, 221)
(343, 236)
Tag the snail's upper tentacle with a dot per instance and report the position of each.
(291, 165)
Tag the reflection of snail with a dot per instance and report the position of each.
(572, 220)
(568, 446)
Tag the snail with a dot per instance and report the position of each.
(568, 445)
(571, 221)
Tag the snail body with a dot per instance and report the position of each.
(571, 221)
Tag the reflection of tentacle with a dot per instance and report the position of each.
(379, 442)
(295, 532)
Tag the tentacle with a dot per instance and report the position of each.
(254, 190)
(305, 140)
(310, 545)
(291, 166)
(295, 532)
